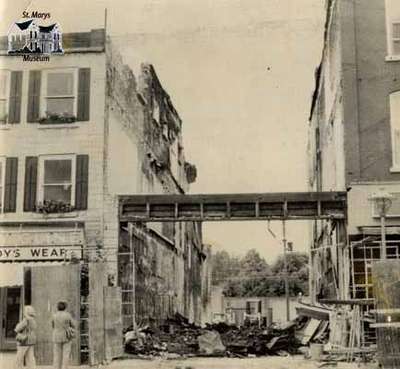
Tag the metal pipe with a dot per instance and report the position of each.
(383, 237)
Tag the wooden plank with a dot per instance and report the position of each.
(236, 197)
(386, 325)
(50, 284)
(386, 311)
(347, 301)
(386, 285)
(113, 322)
(97, 282)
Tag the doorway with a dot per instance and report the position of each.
(10, 307)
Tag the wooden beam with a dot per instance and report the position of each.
(347, 302)
(220, 207)
(385, 325)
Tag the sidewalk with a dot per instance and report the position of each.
(270, 362)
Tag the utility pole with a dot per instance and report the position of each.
(285, 267)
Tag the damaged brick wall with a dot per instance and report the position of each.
(169, 257)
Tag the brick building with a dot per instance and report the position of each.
(354, 142)
(77, 131)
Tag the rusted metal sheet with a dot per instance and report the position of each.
(230, 207)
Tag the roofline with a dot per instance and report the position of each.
(318, 71)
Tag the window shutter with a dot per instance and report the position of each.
(396, 38)
(30, 188)
(10, 188)
(14, 107)
(81, 186)
(260, 306)
(248, 310)
(83, 95)
(35, 77)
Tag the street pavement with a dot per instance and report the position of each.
(271, 362)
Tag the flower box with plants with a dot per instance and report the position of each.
(53, 207)
(57, 118)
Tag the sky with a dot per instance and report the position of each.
(239, 72)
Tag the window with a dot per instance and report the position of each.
(4, 82)
(395, 128)
(2, 178)
(395, 38)
(393, 27)
(60, 91)
(253, 307)
(57, 179)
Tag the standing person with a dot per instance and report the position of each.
(26, 339)
(63, 333)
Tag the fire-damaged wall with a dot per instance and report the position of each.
(169, 260)
(167, 279)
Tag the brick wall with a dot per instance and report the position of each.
(141, 128)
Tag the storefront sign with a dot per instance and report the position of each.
(39, 253)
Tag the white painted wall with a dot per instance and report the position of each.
(33, 139)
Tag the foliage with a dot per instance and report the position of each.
(51, 207)
(224, 266)
(57, 118)
(252, 276)
(253, 264)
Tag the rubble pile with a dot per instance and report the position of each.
(178, 337)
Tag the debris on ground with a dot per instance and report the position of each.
(178, 336)
(210, 343)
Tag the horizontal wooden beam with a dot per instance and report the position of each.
(386, 325)
(231, 207)
(347, 302)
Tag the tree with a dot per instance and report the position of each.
(296, 261)
(252, 276)
(297, 269)
(252, 264)
(224, 266)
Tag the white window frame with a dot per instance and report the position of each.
(6, 98)
(394, 128)
(392, 39)
(44, 96)
(42, 159)
(2, 181)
